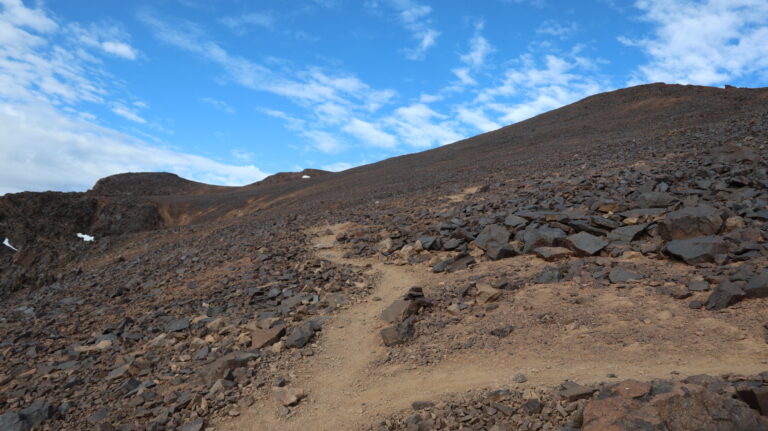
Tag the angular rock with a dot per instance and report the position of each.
(37, 412)
(549, 274)
(691, 222)
(177, 325)
(585, 244)
(196, 425)
(533, 238)
(266, 337)
(288, 396)
(697, 250)
(551, 254)
(632, 389)
(430, 242)
(626, 233)
(12, 421)
(398, 334)
(757, 287)
(495, 250)
(492, 233)
(399, 310)
(300, 335)
(486, 293)
(220, 367)
(724, 295)
(620, 274)
(572, 391)
(698, 286)
(654, 200)
(514, 221)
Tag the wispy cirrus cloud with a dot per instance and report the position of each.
(554, 28)
(415, 18)
(702, 42)
(241, 24)
(219, 104)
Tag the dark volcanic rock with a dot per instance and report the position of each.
(725, 294)
(398, 334)
(492, 233)
(12, 421)
(757, 287)
(691, 222)
(697, 250)
(495, 250)
(399, 310)
(585, 244)
(533, 238)
(300, 335)
(626, 233)
(623, 275)
(218, 368)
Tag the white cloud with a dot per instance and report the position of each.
(537, 88)
(338, 167)
(477, 118)
(465, 78)
(128, 113)
(419, 126)
(480, 48)
(49, 142)
(554, 28)
(370, 133)
(242, 23)
(324, 141)
(219, 104)
(53, 151)
(107, 37)
(119, 49)
(703, 42)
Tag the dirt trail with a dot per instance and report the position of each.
(347, 392)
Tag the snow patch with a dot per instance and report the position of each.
(7, 243)
(305, 177)
(84, 237)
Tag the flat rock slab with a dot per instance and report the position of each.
(265, 337)
(623, 275)
(585, 244)
(697, 250)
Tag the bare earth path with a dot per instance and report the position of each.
(347, 392)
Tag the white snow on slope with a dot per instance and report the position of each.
(7, 243)
(84, 237)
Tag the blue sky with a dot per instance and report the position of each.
(227, 92)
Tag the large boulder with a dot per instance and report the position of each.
(697, 250)
(691, 222)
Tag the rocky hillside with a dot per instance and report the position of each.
(598, 267)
